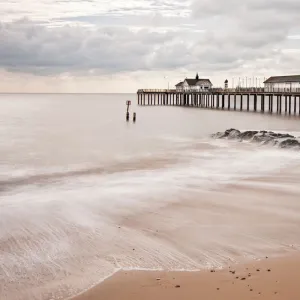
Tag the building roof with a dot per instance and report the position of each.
(204, 81)
(192, 82)
(179, 84)
(283, 79)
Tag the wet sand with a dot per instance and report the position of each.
(266, 279)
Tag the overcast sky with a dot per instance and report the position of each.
(123, 45)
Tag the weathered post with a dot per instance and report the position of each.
(255, 102)
(223, 101)
(290, 105)
(280, 104)
(241, 107)
(285, 100)
(128, 103)
(248, 102)
(235, 101)
(228, 99)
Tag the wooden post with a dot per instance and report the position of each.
(223, 101)
(255, 102)
(235, 101)
(290, 105)
(280, 104)
(285, 100)
(228, 99)
(241, 108)
(262, 104)
(248, 102)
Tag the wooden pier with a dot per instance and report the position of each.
(255, 101)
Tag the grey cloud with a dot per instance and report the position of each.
(246, 32)
(29, 47)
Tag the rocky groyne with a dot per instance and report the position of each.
(281, 140)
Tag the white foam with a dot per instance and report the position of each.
(77, 219)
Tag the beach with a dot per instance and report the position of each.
(92, 204)
(265, 279)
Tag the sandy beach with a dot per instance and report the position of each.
(266, 279)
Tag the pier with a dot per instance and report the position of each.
(246, 100)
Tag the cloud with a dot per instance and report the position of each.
(246, 32)
(28, 47)
(101, 38)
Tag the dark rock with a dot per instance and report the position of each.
(289, 143)
(177, 286)
(219, 135)
(234, 134)
(248, 135)
(263, 137)
(244, 278)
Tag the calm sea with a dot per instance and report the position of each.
(84, 194)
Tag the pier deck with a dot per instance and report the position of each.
(257, 101)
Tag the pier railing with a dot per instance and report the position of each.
(243, 99)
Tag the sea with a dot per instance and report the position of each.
(84, 194)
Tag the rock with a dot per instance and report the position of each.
(158, 279)
(234, 134)
(263, 137)
(177, 286)
(248, 135)
(269, 270)
(289, 143)
(219, 135)
(244, 278)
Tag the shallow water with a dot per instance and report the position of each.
(83, 193)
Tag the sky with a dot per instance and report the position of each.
(80, 46)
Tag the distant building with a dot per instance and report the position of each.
(282, 84)
(226, 84)
(196, 84)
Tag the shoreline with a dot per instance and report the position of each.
(269, 278)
